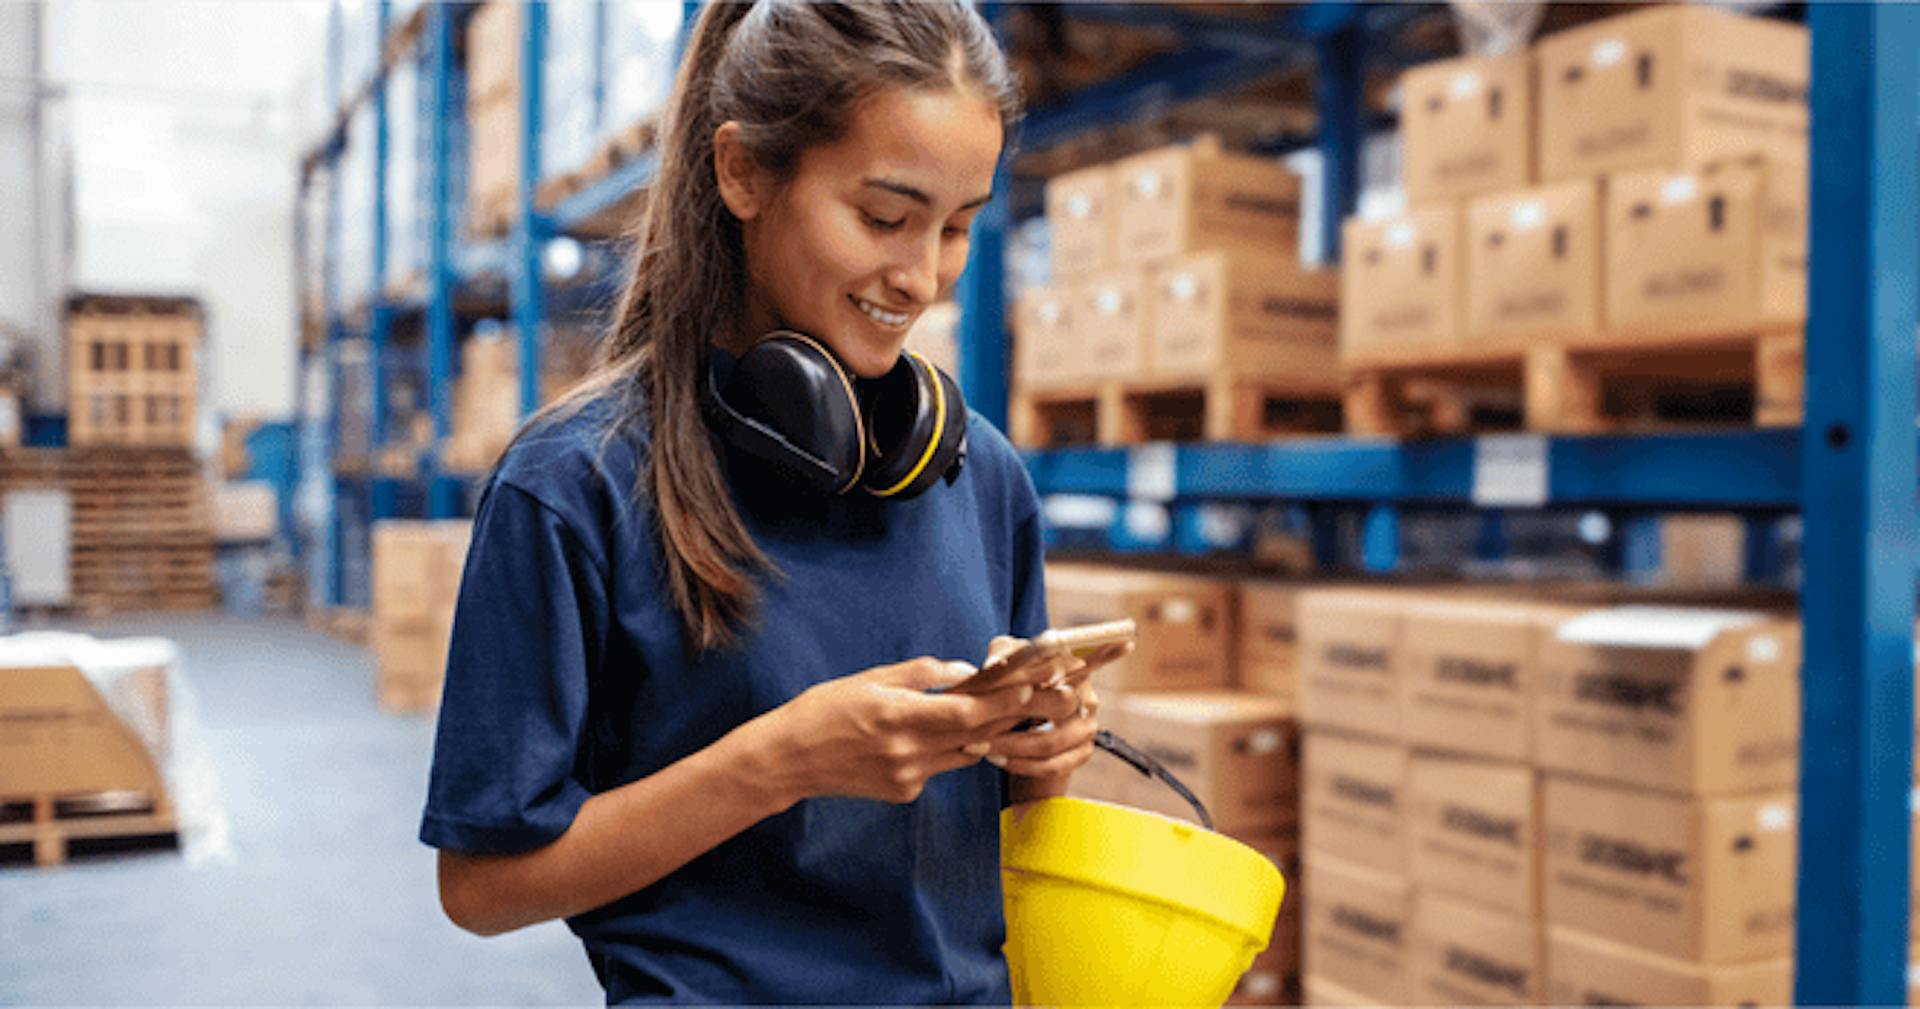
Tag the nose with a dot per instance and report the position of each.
(918, 281)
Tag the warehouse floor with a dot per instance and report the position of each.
(328, 897)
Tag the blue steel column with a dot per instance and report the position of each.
(1858, 452)
(382, 494)
(1380, 539)
(1338, 98)
(443, 493)
(528, 298)
(982, 297)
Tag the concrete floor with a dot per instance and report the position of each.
(329, 899)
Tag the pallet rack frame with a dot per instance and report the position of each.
(1850, 471)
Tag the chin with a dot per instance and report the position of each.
(868, 360)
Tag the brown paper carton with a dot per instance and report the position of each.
(1111, 318)
(1197, 197)
(1585, 970)
(1401, 284)
(1267, 637)
(1533, 263)
(1473, 831)
(1706, 879)
(1239, 754)
(1274, 976)
(1465, 954)
(417, 568)
(1467, 127)
(1105, 777)
(1080, 221)
(1318, 991)
(1185, 625)
(1244, 313)
(1467, 671)
(1359, 930)
(1702, 551)
(1670, 87)
(1348, 660)
(1046, 344)
(1724, 245)
(1699, 702)
(1353, 799)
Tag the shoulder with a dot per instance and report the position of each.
(998, 467)
(582, 463)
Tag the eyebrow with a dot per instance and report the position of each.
(919, 197)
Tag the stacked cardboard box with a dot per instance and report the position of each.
(493, 113)
(1506, 803)
(1176, 263)
(416, 581)
(486, 403)
(1180, 698)
(1644, 173)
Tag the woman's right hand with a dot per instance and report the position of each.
(879, 734)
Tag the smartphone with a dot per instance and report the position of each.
(1045, 647)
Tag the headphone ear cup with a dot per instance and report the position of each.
(916, 428)
(789, 403)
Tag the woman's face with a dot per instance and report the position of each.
(871, 230)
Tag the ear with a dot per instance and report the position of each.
(742, 183)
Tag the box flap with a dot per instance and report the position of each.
(1660, 627)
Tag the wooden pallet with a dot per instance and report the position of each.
(1223, 407)
(1591, 385)
(50, 825)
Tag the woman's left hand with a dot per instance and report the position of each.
(1072, 707)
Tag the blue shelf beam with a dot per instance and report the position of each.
(1752, 471)
(1860, 521)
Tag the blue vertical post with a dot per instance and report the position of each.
(1491, 544)
(381, 492)
(981, 294)
(1761, 558)
(304, 356)
(528, 297)
(1337, 98)
(1637, 548)
(1858, 451)
(1323, 523)
(1380, 539)
(329, 548)
(442, 492)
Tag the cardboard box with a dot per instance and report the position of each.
(1352, 801)
(1724, 245)
(1318, 991)
(1703, 551)
(1466, 672)
(1348, 660)
(1274, 976)
(1238, 753)
(1670, 87)
(1699, 702)
(11, 419)
(1111, 317)
(1244, 313)
(1466, 127)
(1706, 879)
(416, 569)
(1533, 263)
(1465, 954)
(245, 511)
(1359, 930)
(1198, 197)
(1080, 221)
(1267, 637)
(59, 735)
(493, 50)
(1185, 625)
(1105, 777)
(1047, 349)
(1401, 283)
(1473, 831)
(1585, 970)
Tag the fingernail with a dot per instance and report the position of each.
(1026, 693)
(997, 761)
(976, 749)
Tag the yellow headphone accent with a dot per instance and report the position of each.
(939, 427)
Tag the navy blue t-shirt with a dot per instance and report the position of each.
(567, 678)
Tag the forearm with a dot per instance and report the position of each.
(622, 840)
(1024, 789)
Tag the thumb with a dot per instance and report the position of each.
(1000, 646)
(927, 674)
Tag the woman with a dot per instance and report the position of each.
(693, 709)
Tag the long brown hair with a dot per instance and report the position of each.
(791, 73)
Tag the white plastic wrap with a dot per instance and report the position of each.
(406, 153)
(119, 671)
(1495, 27)
(639, 58)
(354, 262)
(567, 108)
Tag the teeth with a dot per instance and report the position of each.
(884, 318)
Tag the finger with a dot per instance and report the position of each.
(1003, 645)
(1053, 767)
(963, 715)
(924, 674)
(1055, 705)
(952, 760)
(1044, 745)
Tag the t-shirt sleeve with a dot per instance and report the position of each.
(527, 637)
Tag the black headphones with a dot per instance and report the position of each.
(790, 403)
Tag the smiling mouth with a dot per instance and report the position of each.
(891, 320)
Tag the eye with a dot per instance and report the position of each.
(882, 226)
(953, 232)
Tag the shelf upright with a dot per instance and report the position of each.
(1858, 449)
(333, 548)
(528, 237)
(443, 492)
(382, 491)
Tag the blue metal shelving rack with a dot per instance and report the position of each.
(1851, 472)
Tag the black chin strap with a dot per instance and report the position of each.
(1151, 768)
